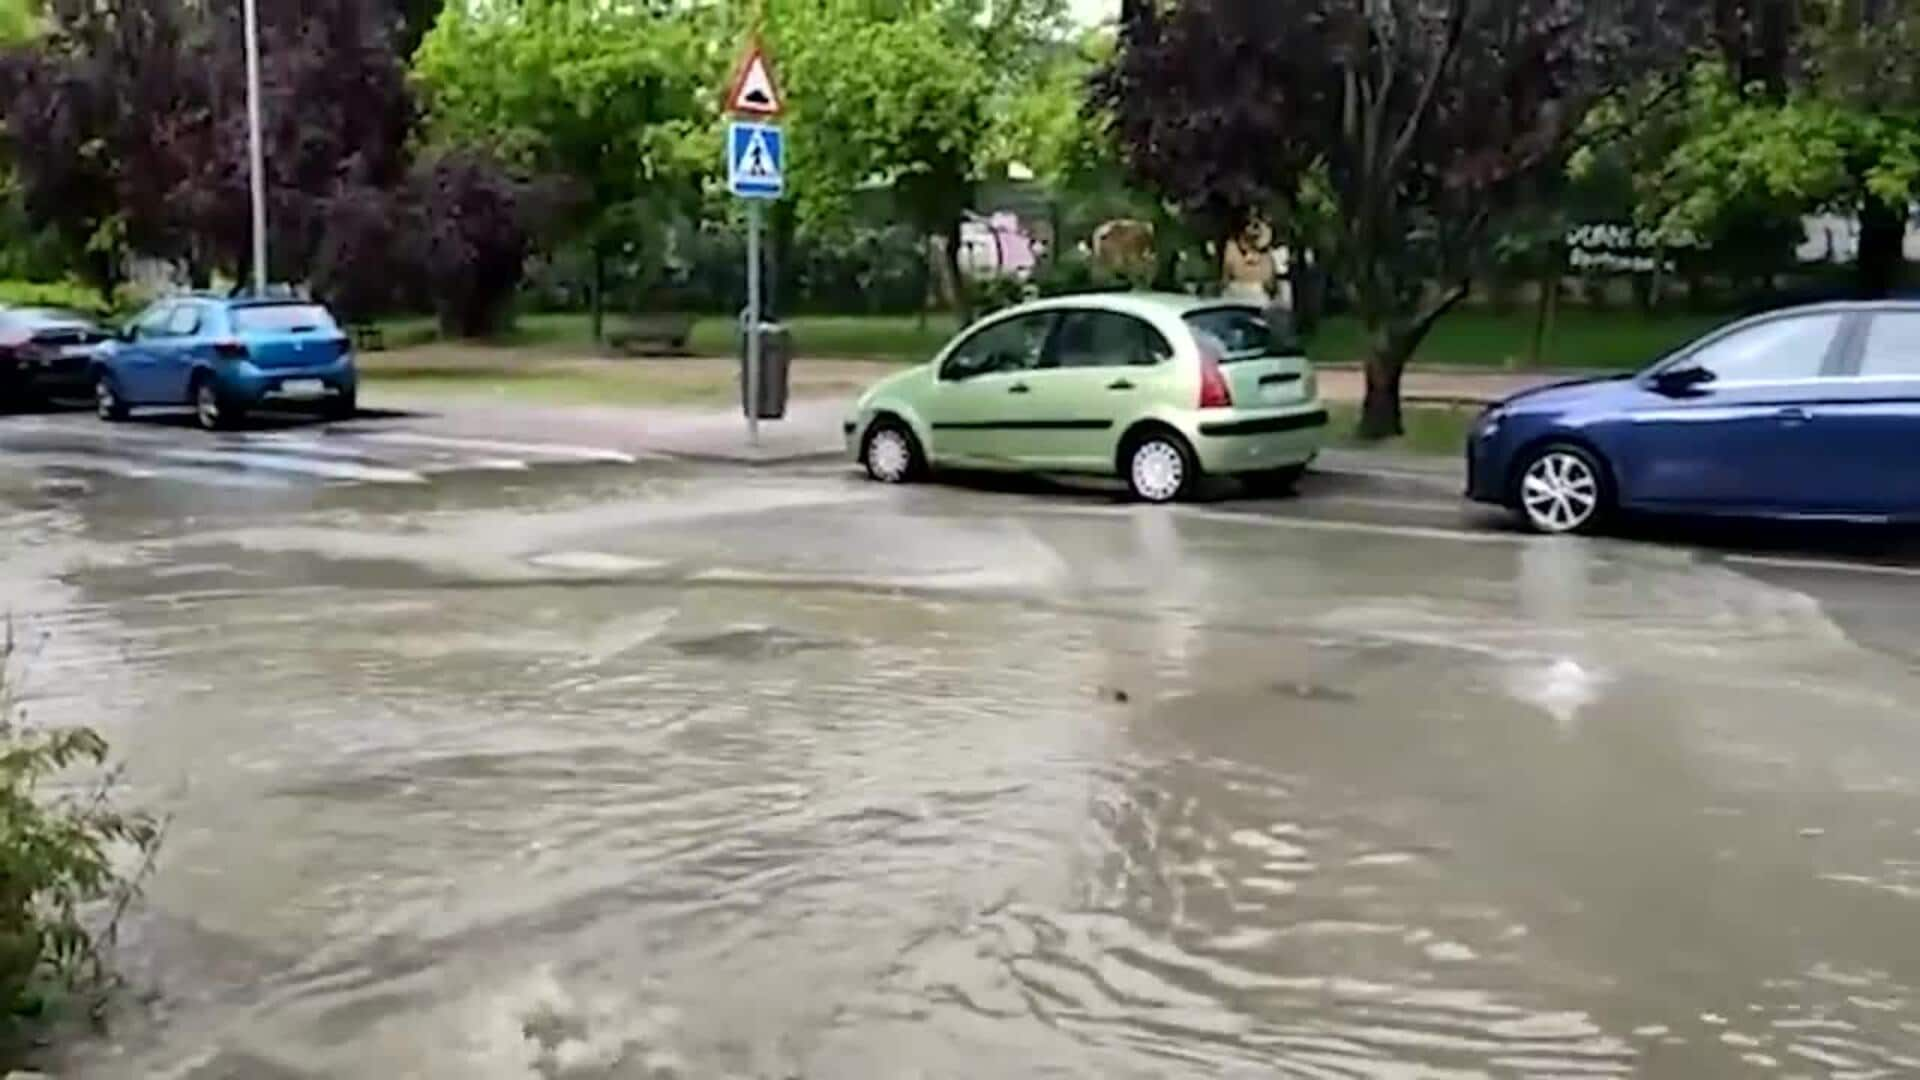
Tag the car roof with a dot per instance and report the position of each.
(1837, 307)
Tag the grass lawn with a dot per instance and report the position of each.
(555, 375)
(1602, 340)
(1431, 429)
(894, 338)
(1581, 338)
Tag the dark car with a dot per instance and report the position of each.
(46, 353)
(1812, 412)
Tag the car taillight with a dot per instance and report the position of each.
(13, 339)
(229, 350)
(1214, 393)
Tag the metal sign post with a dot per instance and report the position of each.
(756, 172)
(256, 163)
(753, 322)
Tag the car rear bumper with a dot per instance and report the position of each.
(248, 383)
(1246, 441)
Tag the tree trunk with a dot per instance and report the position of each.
(950, 264)
(599, 300)
(1883, 234)
(1549, 307)
(1380, 409)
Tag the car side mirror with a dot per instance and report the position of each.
(1679, 380)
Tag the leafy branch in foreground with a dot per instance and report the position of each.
(70, 860)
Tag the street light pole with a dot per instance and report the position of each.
(255, 155)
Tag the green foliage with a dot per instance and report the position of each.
(618, 99)
(1746, 154)
(20, 20)
(878, 98)
(71, 295)
(63, 857)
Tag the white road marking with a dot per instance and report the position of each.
(495, 446)
(1418, 532)
(1422, 505)
(81, 461)
(1830, 565)
(441, 462)
(326, 470)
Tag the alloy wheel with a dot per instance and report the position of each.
(1559, 492)
(105, 402)
(206, 406)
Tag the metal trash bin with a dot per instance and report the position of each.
(776, 359)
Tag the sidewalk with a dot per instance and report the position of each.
(811, 429)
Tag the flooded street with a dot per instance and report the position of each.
(581, 769)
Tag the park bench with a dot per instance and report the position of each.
(367, 338)
(641, 335)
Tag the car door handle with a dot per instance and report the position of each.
(1019, 388)
(1794, 414)
(1120, 384)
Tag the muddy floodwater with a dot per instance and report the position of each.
(663, 771)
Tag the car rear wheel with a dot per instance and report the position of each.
(341, 406)
(891, 454)
(1159, 467)
(107, 403)
(211, 409)
(1563, 488)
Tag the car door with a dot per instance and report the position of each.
(1868, 422)
(1100, 370)
(976, 410)
(174, 352)
(1741, 437)
(136, 360)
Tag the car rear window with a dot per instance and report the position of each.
(1237, 333)
(281, 319)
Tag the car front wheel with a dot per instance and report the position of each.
(1563, 488)
(107, 403)
(1160, 468)
(891, 454)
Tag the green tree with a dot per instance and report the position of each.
(1841, 134)
(888, 98)
(618, 99)
(1400, 128)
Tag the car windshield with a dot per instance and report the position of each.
(281, 319)
(1237, 333)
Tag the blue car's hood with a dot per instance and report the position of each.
(1570, 392)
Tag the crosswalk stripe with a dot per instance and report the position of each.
(554, 450)
(194, 474)
(327, 470)
(441, 461)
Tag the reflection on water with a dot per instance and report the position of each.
(959, 787)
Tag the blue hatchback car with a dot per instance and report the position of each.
(1811, 412)
(226, 356)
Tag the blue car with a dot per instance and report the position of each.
(226, 356)
(1806, 413)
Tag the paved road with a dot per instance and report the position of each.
(497, 757)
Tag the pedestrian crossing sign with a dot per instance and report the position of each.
(756, 160)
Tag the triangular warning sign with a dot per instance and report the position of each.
(754, 91)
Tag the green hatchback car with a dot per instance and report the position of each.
(1159, 390)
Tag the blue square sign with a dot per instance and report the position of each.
(756, 160)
